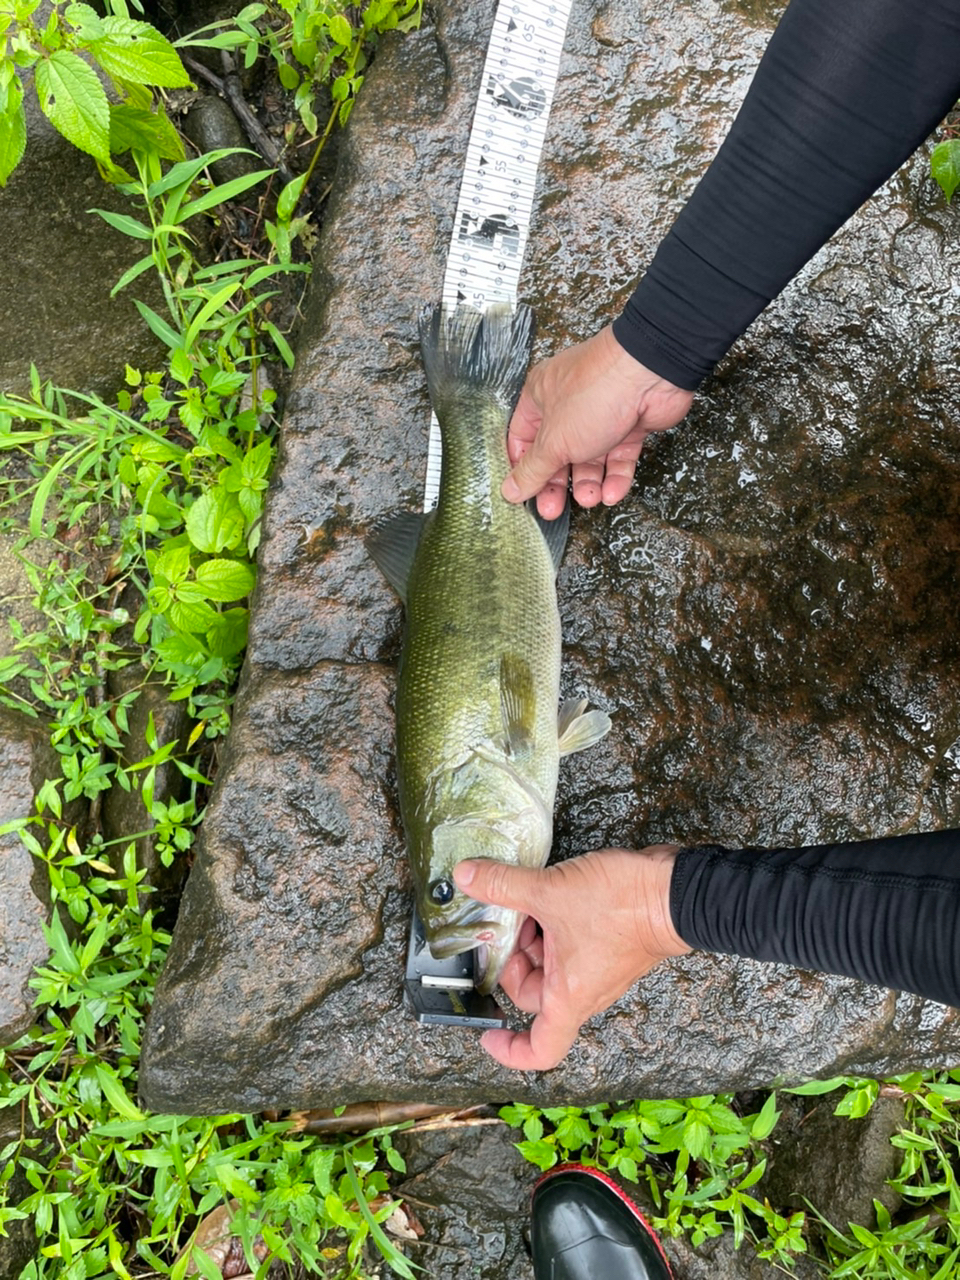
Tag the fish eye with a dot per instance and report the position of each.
(441, 892)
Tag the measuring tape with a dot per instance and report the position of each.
(495, 207)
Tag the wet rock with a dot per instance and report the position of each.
(838, 1165)
(25, 762)
(765, 617)
(58, 265)
(471, 1191)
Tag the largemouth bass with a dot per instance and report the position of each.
(478, 735)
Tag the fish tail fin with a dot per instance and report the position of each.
(489, 349)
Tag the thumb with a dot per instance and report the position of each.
(530, 474)
(498, 883)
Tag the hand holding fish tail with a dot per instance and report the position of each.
(592, 406)
(605, 921)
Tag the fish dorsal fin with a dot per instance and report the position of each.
(554, 531)
(518, 707)
(393, 546)
(578, 728)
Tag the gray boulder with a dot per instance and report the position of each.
(25, 762)
(765, 616)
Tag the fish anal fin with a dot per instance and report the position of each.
(393, 547)
(579, 728)
(517, 704)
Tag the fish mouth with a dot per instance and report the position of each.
(452, 939)
(493, 940)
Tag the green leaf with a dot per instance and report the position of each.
(13, 140)
(340, 29)
(136, 51)
(766, 1119)
(945, 165)
(123, 222)
(116, 1095)
(75, 102)
(290, 197)
(228, 636)
(209, 308)
(815, 1087)
(85, 21)
(224, 192)
(225, 580)
(215, 522)
(157, 325)
(137, 129)
(192, 615)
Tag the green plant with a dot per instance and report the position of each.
(923, 1243)
(699, 1157)
(181, 461)
(65, 54)
(117, 1192)
(158, 500)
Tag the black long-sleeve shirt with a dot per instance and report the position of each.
(845, 92)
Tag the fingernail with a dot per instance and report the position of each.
(510, 489)
(463, 874)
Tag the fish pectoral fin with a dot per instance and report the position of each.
(518, 704)
(578, 728)
(393, 546)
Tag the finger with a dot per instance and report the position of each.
(531, 472)
(528, 934)
(541, 1048)
(499, 884)
(621, 468)
(523, 983)
(588, 482)
(552, 498)
(523, 425)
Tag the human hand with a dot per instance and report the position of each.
(606, 922)
(592, 405)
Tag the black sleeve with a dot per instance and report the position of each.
(885, 911)
(845, 92)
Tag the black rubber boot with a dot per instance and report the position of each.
(584, 1227)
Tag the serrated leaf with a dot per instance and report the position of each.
(74, 101)
(13, 141)
(195, 616)
(340, 29)
(225, 580)
(228, 635)
(137, 52)
(215, 522)
(85, 21)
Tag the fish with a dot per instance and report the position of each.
(479, 736)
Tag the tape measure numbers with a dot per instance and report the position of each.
(495, 207)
